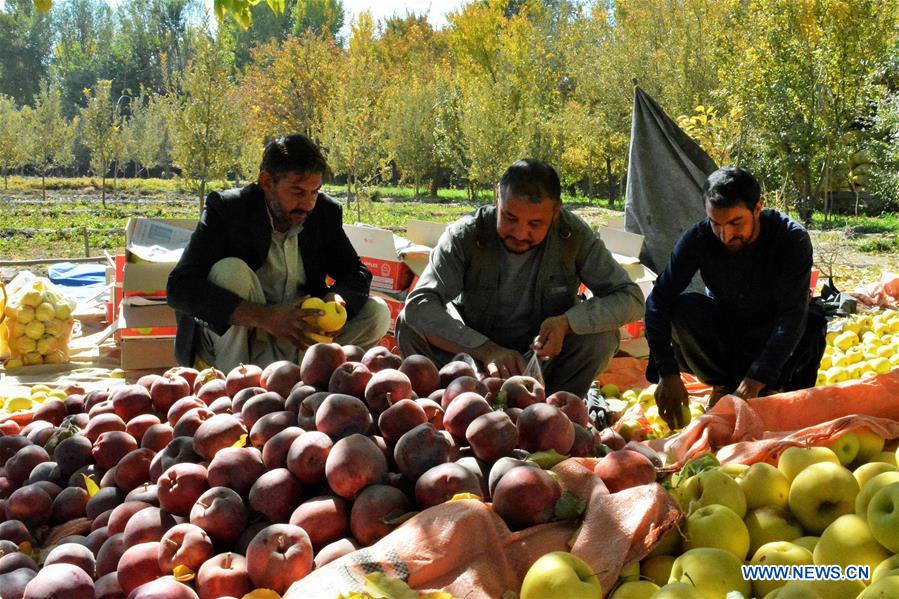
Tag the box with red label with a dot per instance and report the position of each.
(395, 303)
(152, 248)
(379, 250)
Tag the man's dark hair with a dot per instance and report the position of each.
(729, 186)
(531, 179)
(292, 154)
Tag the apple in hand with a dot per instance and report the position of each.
(560, 575)
(333, 317)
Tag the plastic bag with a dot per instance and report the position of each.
(533, 368)
(38, 322)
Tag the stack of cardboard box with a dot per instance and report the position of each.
(395, 262)
(145, 323)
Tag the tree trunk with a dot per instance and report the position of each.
(417, 184)
(103, 189)
(43, 187)
(610, 183)
(349, 193)
(434, 183)
(202, 194)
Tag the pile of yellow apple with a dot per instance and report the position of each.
(834, 505)
(37, 326)
(332, 320)
(632, 422)
(18, 399)
(860, 346)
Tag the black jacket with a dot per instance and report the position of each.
(235, 223)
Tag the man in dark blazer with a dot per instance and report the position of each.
(256, 253)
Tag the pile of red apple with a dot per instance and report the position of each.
(201, 484)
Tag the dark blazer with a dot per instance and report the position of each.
(235, 223)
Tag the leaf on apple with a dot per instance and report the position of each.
(547, 459)
(706, 461)
(569, 507)
(90, 485)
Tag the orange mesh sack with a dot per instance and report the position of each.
(38, 322)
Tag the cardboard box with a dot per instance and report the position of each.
(152, 248)
(379, 250)
(146, 321)
(625, 248)
(424, 235)
(141, 354)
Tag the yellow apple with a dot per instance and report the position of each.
(870, 488)
(62, 311)
(845, 447)
(888, 567)
(44, 312)
(712, 486)
(25, 315)
(635, 589)
(888, 457)
(714, 572)
(610, 390)
(885, 588)
(678, 590)
(334, 318)
(779, 553)
(35, 329)
(669, 544)
(770, 524)
(883, 516)
(837, 589)
(867, 471)
(735, 470)
(795, 459)
(836, 374)
(717, 526)
(845, 340)
(809, 542)
(560, 575)
(763, 484)
(32, 298)
(657, 569)
(821, 493)
(849, 541)
(319, 338)
(630, 573)
(795, 590)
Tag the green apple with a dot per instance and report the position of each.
(781, 553)
(795, 590)
(734, 469)
(871, 487)
(883, 516)
(821, 493)
(770, 524)
(885, 588)
(710, 487)
(669, 544)
(869, 445)
(714, 572)
(795, 459)
(678, 590)
(657, 568)
(635, 589)
(846, 447)
(888, 567)
(887, 457)
(808, 542)
(866, 472)
(763, 484)
(848, 541)
(838, 589)
(610, 390)
(717, 526)
(630, 573)
(560, 575)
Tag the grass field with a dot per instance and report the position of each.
(854, 249)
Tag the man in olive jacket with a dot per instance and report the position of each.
(256, 253)
(505, 281)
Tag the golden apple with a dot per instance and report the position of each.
(560, 575)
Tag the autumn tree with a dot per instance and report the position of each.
(47, 135)
(205, 117)
(10, 142)
(100, 131)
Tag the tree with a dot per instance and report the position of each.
(100, 130)
(25, 43)
(10, 144)
(48, 135)
(145, 132)
(409, 128)
(321, 17)
(351, 131)
(204, 118)
(267, 26)
(288, 87)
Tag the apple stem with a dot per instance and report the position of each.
(227, 562)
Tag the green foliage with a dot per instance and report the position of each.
(100, 131)
(11, 155)
(321, 17)
(205, 118)
(25, 42)
(47, 135)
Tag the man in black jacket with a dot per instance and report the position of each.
(752, 332)
(256, 253)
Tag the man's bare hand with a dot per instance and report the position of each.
(670, 395)
(499, 361)
(749, 388)
(548, 343)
